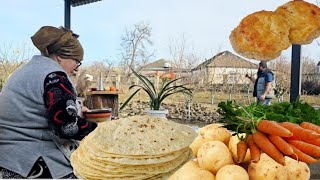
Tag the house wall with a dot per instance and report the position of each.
(222, 75)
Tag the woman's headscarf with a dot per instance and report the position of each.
(59, 41)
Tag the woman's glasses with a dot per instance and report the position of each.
(78, 63)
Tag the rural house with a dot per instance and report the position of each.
(224, 68)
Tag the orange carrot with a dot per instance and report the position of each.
(307, 148)
(265, 145)
(281, 144)
(272, 127)
(254, 150)
(300, 133)
(302, 156)
(241, 150)
(313, 141)
(310, 126)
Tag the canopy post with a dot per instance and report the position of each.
(295, 86)
(67, 14)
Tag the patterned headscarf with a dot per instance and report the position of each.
(59, 41)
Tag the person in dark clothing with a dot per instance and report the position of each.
(40, 120)
(263, 85)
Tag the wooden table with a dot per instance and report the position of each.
(103, 99)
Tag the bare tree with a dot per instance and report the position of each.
(98, 68)
(282, 76)
(183, 55)
(177, 48)
(82, 82)
(134, 53)
(12, 57)
(309, 82)
(308, 65)
(89, 75)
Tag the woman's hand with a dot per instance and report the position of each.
(84, 109)
(262, 97)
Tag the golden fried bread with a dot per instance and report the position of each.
(304, 21)
(261, 36)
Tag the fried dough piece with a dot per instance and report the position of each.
(304, 21)
(261, 35)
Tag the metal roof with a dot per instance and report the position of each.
(227, 59)
(75, 3)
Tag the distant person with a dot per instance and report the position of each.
(263, 85)
(39, 115)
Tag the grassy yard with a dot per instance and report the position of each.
(206, 98)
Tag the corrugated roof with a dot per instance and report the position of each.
(227, 59)
(75, 3)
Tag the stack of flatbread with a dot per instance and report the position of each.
(138, 147)
(264, 34)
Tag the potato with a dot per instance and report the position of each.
(197, 142)
(213, 155)
(233, 148)
(297, 170)
(209, 126)
(190, 165)
(214, 132)
(267, 169)
(191, 171)
(232, 172)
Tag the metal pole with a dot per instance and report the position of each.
(295, 86)
(67, 14)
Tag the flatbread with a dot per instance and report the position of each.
(101, 153)
(142, 135)
(140, 147)
(135, 160)
(129, 170)
(261, 35)
(304, 21)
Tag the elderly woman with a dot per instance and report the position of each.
(39, 121)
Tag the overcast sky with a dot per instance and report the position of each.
(205, 24)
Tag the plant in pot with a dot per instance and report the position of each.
(158, 95)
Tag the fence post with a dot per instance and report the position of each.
(212, 99)
(188, 106)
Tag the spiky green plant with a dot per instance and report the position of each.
(157, 95)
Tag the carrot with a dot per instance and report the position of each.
(242, 148)
(272, 127)
(300, 133)
(281, 144)
(254, 150)
(313, 141)
(310, 126)
(307, 148)
(302, 156)
(265, 145)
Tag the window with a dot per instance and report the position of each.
(233, 78)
